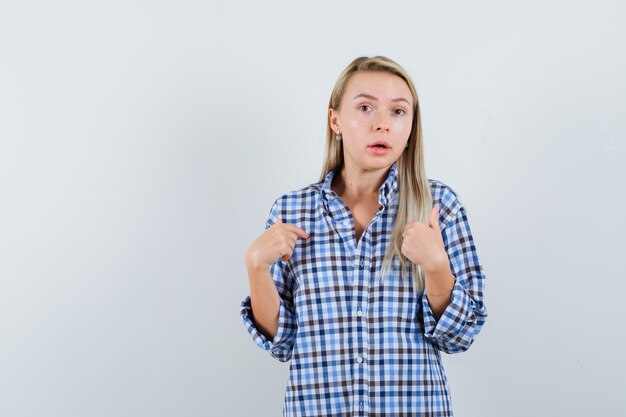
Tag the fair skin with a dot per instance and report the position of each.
(375, 106)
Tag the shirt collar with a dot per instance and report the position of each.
(386, 191)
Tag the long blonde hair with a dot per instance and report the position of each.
(414, 195)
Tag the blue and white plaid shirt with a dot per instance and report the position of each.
(359, 345)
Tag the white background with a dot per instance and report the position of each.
(142, 144)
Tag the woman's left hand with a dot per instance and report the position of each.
(423, 244)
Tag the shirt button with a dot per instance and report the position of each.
(359, 312)
(359, 359)
(362, 263)
(360, 405)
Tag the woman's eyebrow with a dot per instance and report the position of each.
(371, 97)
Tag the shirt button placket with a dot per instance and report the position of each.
(361, 333)
(360, 371)
(362, 325)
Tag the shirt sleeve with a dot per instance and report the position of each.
(281, 346)
(466, 314)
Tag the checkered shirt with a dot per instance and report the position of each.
(359, 345)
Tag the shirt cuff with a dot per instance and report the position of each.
(280, 346)
(454, 319)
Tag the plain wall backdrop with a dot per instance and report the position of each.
(142, 144)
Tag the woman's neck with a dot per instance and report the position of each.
(356, 184)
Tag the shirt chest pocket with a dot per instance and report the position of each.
(398, 297)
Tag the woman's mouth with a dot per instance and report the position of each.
(378, 149)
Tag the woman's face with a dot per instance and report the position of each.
(375, 106)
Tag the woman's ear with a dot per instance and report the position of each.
(333, 117)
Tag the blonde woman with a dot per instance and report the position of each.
(363, 278)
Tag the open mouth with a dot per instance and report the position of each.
(379, 149)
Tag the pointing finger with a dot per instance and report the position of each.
(295, 229)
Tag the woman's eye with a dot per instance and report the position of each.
(402, 110)
(363, 105)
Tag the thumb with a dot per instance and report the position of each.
(434, 217)
(278, 220)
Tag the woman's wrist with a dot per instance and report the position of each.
(439, 282)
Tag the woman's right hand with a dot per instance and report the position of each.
(278, 241)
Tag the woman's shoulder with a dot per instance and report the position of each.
(301, 195)
(299, 199)
(446, 197)
(296, 205)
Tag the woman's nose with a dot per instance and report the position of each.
(382, 124)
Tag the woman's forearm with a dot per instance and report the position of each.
(264, 300)
(438, 283)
